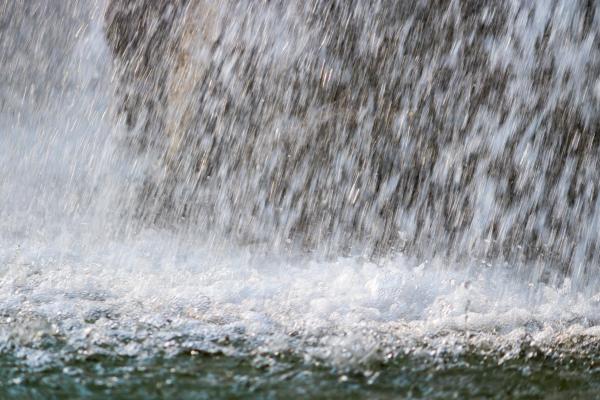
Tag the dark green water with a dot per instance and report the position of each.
(530, 373)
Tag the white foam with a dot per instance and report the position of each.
(151, 294)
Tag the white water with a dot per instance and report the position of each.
(68, 270)
(155, 293)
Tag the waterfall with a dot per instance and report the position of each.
(342, 182)
(458, 129)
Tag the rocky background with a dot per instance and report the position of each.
(464, 129)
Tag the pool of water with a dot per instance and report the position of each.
(530, 373)
(154, 318)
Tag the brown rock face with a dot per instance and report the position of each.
(456, 128)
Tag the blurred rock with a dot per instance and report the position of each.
(453, 128)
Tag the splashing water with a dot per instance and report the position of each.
(337, 194)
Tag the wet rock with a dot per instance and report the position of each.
(453, 128)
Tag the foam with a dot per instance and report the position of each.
(150, 295)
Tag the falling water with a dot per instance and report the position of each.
(341, 182)
(462, 129)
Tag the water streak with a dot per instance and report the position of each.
(453, 128)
